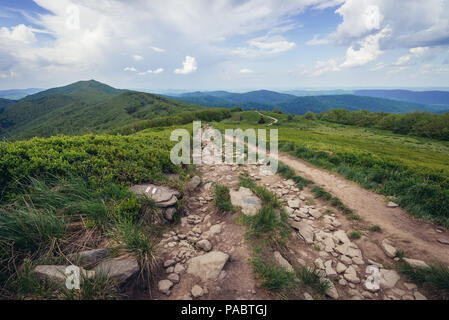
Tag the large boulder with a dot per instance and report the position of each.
(208, 266)
(247, 200)
(58, 274)
(164, 197)
(120, 269)
(89, 257)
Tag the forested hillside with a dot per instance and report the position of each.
(83, 107)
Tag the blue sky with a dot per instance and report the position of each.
(225, 44)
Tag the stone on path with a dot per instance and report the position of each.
(389, 250)
(304, 230)
(388, 278)
(165, 286)
(247, 200)
(294, 203)
(419, 296)
(443, 241)
(341, 236)
(197, 291)
(392, 205)
(332, 291)
(173, 277)
(194, 183)
(351, 275)
(204, 245)
(163, 196)
(208, 266)
(121, 269)
(416, 263)
(282, 261)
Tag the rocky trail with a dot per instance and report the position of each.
(207, 257)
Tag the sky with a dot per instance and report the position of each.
(225, 44)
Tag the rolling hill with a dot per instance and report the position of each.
(254, 99)
(350, 102)
(270, 100)
(83, 107)
(424, 97)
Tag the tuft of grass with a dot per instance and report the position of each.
(288, 173)
(375, 228)
(310, 277)
(354, 216)
(223, 199)
(436, 276)
(99, 287)
(355, 235)
(400, 253)
(274, 278)
(320, 193)
(140, 241)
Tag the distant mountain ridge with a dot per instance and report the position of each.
(424, 97)
(289, 103)
(17, 94)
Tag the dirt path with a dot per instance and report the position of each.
(272, 118)
(417, 238)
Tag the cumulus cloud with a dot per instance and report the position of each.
(19, 33)
(414, 53)
(413, 23)
(189, 66)
(368, 51)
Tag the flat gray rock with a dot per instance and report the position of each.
(120, 269)
(89, 257)
(282, 261)
(247, 200)
(304, 230)
(163, 196)
(194, 183)
(207, 266)
(57, 274)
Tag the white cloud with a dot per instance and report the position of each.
(414, 53)
(322, 67)
(189, 66)
(136, 57)
(413, 23)
(316, 41)
(368, 51)
(265, 45)
(132, 69)
(19, 33)
(156, 49)
(157, 71)
(246, 71)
